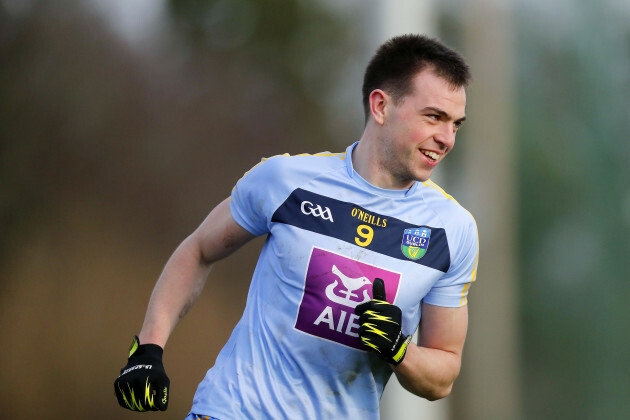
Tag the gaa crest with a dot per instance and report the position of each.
(415, 242)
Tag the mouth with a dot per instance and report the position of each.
(432, 157)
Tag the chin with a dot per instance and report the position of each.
(424, 176)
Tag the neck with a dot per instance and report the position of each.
(367, 163)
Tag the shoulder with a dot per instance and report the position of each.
(262, 189)
(273, 179)
(446, 207)
(460, 226)
(317, 161)
(296, 168)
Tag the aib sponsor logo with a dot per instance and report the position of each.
(316, 210)
(334, 286)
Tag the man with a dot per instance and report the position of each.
(361, 246)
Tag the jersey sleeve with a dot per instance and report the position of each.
(256, 196)
(451, 290)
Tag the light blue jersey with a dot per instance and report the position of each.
(295, 353)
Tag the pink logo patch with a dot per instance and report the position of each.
(334, 286)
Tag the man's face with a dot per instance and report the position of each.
(420, 130)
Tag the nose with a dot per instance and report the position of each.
(446, 136)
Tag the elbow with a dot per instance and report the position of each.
(438, 393)
(430, 392)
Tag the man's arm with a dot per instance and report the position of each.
(185, 273)
(430, 368)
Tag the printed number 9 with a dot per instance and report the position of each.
(365, 232)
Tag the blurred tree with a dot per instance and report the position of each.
(246, 76)
(110, 155)
(574, 188)
(290, 47)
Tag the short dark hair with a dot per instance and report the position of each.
(401, 58)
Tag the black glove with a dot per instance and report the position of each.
(380, 326)
(143, 384)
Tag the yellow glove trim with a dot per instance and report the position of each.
(134, 404)
(135, 343)
(373, 329)
(376, 316)
(401, 351)
(148, 397)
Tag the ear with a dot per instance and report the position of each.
(378, 105)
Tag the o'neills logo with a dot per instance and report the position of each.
(368, 218)
(316, 210)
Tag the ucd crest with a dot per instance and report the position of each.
(415, 242)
